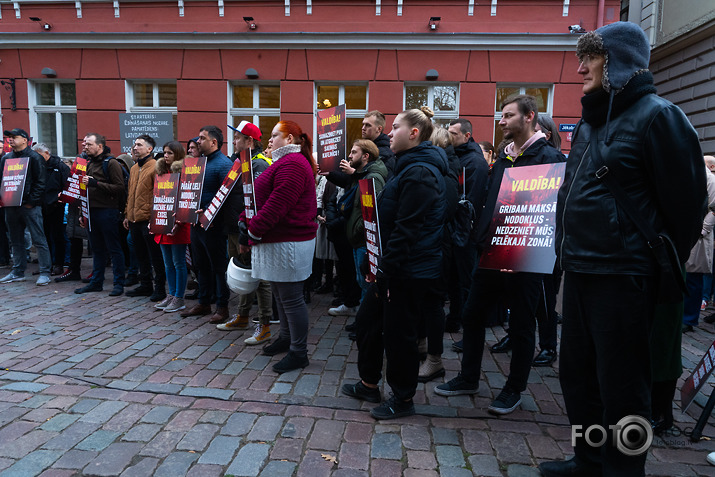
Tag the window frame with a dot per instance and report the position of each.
(58, 109)
(349, 113)
(255, 112)
(438, 115)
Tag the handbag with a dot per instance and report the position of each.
(670, 282)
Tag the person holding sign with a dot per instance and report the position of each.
(28, 211)
(520, 290)
(173, 245)
(282, 235)
(629, 212)
(412, 210)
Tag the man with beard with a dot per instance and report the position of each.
(521, 290)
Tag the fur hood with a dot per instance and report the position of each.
(162, 168)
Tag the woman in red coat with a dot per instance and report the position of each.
(173, 245)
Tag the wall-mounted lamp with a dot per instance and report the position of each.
(45, 26)
(49, 72)
(576, 29)
(434, 22)
(250, 22)
(251, 73)
(432, 74)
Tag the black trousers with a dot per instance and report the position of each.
(349, 289)
(459, 278)
(368, 328)
(210, 259)
(148, 255)
(605, 369)
(546, 315)
(52, 222)
(521, 292)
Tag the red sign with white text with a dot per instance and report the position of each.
(331, 131)
(249, 197)
(521, 234)
(190, 187)
(372, 228)
(163, 210)
(697, 378)
(14, 175)
(71, 192)
(226, 186)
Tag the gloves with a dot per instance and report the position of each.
(243, 234)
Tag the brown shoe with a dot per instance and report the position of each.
(196, 310)
(237, 323)
(220, 316)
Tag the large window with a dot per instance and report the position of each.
(259, 104)
(354, 96)
(542, 93)
(152, 97)
(443, 99)
(54, 116)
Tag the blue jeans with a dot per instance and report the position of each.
(175, 266)
(691, 302)
(17, 219)
(133, 262)
(104, 238)
(359, 257)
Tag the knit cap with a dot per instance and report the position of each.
(626, 48)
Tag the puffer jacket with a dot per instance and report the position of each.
(659, 165)
(36, 179)
(412, 211)
(540, 152)
(141, 190)
(386, 155)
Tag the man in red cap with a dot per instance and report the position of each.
(247, 136)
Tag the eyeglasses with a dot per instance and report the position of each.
(585, 60)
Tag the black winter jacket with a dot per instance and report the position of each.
(388, 157)
(476, 173)
(541, 152)
(36, 175)
(654, 152)
(57, 173)
(411, 211)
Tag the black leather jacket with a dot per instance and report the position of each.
(654, 151)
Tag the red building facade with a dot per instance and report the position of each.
(71, 67)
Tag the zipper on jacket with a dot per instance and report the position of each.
(563, 214)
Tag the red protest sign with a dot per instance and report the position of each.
(331, 131)
(70, 194)
(372, 228)
(249, 198)
(226, 186)
(14, 175)
(84, 205)
(697, 378)
(163, 210)
(6, 147)
(521, 234)
(190, 187)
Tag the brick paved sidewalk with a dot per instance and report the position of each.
(93, 385)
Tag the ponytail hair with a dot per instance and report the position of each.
(287, 127)
(420, 119)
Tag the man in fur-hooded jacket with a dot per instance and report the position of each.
(648, 147)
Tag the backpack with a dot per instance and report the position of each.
(345, 204)
(463, 225)
(125, 173)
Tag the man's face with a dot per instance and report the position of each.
(141, 149)
(17, 143)
(458, 137)
(241, 142)
(370, 130)
(591, 68)
(512, 122)
(44, 154)
(193, 150)
(90, 146)
(358, 159)
(207, 144)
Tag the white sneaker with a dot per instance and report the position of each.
(343, 310)
(43, 280)
(11, 277)
(164, 303)
(176, 304)
(272, 320)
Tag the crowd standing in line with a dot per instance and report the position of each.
(623, 153)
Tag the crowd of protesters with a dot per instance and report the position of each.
(309, 223)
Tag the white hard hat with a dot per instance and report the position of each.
(239, 279)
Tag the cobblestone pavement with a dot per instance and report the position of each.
(94, 385)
